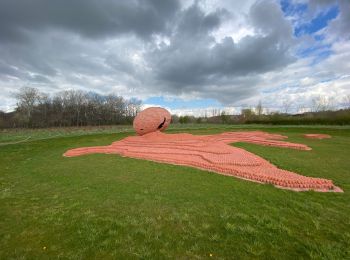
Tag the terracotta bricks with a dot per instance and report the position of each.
(151, 119)
(209, 152)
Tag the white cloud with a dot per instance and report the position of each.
(301, 82)
(220, 49)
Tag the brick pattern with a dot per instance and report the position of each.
(150, 119)
(213, 153)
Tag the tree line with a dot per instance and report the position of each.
(69, 108)
(322, 112)
(79, 108)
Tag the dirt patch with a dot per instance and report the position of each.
(213, 153)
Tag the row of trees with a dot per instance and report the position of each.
(328, 117)
(79, 108)
(322, 112)
(69, 108)
(250, 116)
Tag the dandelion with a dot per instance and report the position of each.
(44, 247)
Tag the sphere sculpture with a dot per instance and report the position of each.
(151, 119)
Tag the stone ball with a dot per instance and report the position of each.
(151, 119)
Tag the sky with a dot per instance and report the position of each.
(187, 56)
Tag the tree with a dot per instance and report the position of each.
(224, 117)
(174, 119)
(286, 105)
(321, 103)
(347, 101)
(72, 108)
(133, 107)
(215, 112)
(27, 99)
(301, 108)
(259, 109)
(184, 119)
(2, 115)
(247, 113)
(116, 108)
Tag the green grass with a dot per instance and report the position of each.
(20, 135)
(108, 207)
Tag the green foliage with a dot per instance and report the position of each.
(111, 207)
(247, 113)
(224, 118)
(184, 119)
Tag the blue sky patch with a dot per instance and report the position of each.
(319, 37)
(175, 103)
(305, 24)
(314, 50)
(318, 22)
(299, 12)
(290, 9)
(318, 52)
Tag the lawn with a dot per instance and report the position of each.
(108, 207)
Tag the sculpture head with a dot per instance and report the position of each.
(151, 119)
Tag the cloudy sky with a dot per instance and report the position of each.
(183, 55)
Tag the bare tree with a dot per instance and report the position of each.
(41, 112)
(72, 108)
(322, 103)
(133, 107)
(259, 108)
(286, 106)
(27, 99)
(116, 108)
(347, 101)
(205, 113)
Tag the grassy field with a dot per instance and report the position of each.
(108, 207)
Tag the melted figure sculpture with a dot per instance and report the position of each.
(208, 152)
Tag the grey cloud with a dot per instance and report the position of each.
(7, 70)
(195, 60)
(193, 22)
(267, 17)
(27, 58)
(87, 17)
(320, 3)
(231, 90)
(341, 25)
(89, 44)
(120, 63)
(315, 3)
(41, 79)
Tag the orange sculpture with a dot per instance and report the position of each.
(151, 119)
(208, 152)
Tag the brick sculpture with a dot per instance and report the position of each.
(209, 152)
(151, 119)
